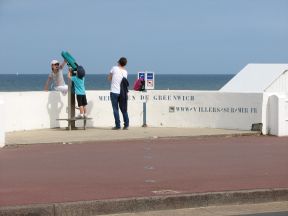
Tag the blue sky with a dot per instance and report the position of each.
(164, 36)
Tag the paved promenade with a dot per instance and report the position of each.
(100, 134)
(137, 163)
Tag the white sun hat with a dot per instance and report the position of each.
(54, 62)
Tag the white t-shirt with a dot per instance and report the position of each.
(117, 76)
(57, 78)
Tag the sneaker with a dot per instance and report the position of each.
(79, 116)
(125, 127)
(116, 128)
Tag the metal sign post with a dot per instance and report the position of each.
(149, 84)
(141, 75)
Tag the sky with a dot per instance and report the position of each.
(163, 36)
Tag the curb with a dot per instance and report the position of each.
(99, 207)
(12, 145)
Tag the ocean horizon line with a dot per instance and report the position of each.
(17, 74)
(30, 82)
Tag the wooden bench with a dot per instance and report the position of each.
(73, 120)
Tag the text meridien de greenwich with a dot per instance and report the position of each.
(155, 97)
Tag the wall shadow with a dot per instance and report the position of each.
(89, 108)
(54, 107)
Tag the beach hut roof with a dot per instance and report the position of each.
(255, 78)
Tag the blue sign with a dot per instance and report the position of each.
(150, 80)
(150, 76)
(141, 75)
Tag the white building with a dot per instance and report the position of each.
(272, 81)
(259, 78)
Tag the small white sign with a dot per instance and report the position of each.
(149, 80)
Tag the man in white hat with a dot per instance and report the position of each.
(56, 76)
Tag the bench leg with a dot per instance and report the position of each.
(84, 124)
(69, 125)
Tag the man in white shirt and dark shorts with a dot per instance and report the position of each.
(116, 75)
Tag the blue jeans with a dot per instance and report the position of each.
(115, 105)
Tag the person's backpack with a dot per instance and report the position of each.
(139, 84)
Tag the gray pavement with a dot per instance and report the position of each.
(267, 209)
(61, 135)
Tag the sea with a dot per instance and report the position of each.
(36, 82)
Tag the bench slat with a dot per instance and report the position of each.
(75, 119)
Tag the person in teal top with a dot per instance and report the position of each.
(79, 88)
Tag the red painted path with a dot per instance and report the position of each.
(116, 169)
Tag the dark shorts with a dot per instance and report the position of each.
(81, 99)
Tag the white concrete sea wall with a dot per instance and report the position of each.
(100, 109)
(210, 109)
(38, 110)
(204, 109)
(2, 123)
(33, 110)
